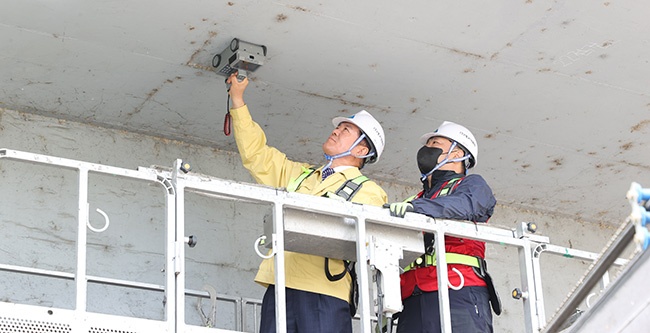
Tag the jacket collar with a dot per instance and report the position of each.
(438, 177)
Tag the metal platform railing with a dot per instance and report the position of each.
(369, 235)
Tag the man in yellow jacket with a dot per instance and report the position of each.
(315, 303)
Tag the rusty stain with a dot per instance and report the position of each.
(488, 136)
(468, 70)
(344, 102)
(468, 54)
(639, 126)
(149, 95)
(588, 72)
(191, 62)
(543, 70)
(627, 146)
(281, 17)
(299, 8)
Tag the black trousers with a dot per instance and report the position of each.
(307, 313)
(470, 312)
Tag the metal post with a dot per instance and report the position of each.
(280, 282)
(82, 215)
(443, 278)
(528, 287)
(362, 273)
(537, 278)
(175, 257)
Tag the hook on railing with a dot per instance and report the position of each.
(588, 300)
(106, 220)
(256, 246)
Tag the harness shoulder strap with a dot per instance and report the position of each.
(346, 191)
(295, 183)
(351, 187)
(448, 187)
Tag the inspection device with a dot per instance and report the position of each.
(239, 56)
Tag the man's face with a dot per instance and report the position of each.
(341, 139)
(440, 142)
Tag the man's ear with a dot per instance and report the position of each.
(361, 150)
(458, 153)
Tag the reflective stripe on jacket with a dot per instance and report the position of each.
(271, 167)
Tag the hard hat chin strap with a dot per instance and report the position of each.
(331, 158)
(445, 161)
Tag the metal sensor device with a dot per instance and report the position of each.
(240, 57)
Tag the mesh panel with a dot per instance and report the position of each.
(14, 325)
(106, 330)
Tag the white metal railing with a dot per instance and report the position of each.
(375, 248)
(377, 241)
(79, 320)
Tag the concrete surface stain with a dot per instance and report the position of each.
(281, 18)
(634, 128)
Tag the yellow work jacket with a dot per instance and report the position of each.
(271, 167)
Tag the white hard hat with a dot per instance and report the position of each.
(458, 133)
(371, 127)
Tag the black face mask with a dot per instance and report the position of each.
(428, 158)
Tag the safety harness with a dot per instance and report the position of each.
(345, 191)
(429, 257)
(478, 264)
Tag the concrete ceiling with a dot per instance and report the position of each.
(556, 92)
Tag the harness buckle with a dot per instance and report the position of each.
(481, 270)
